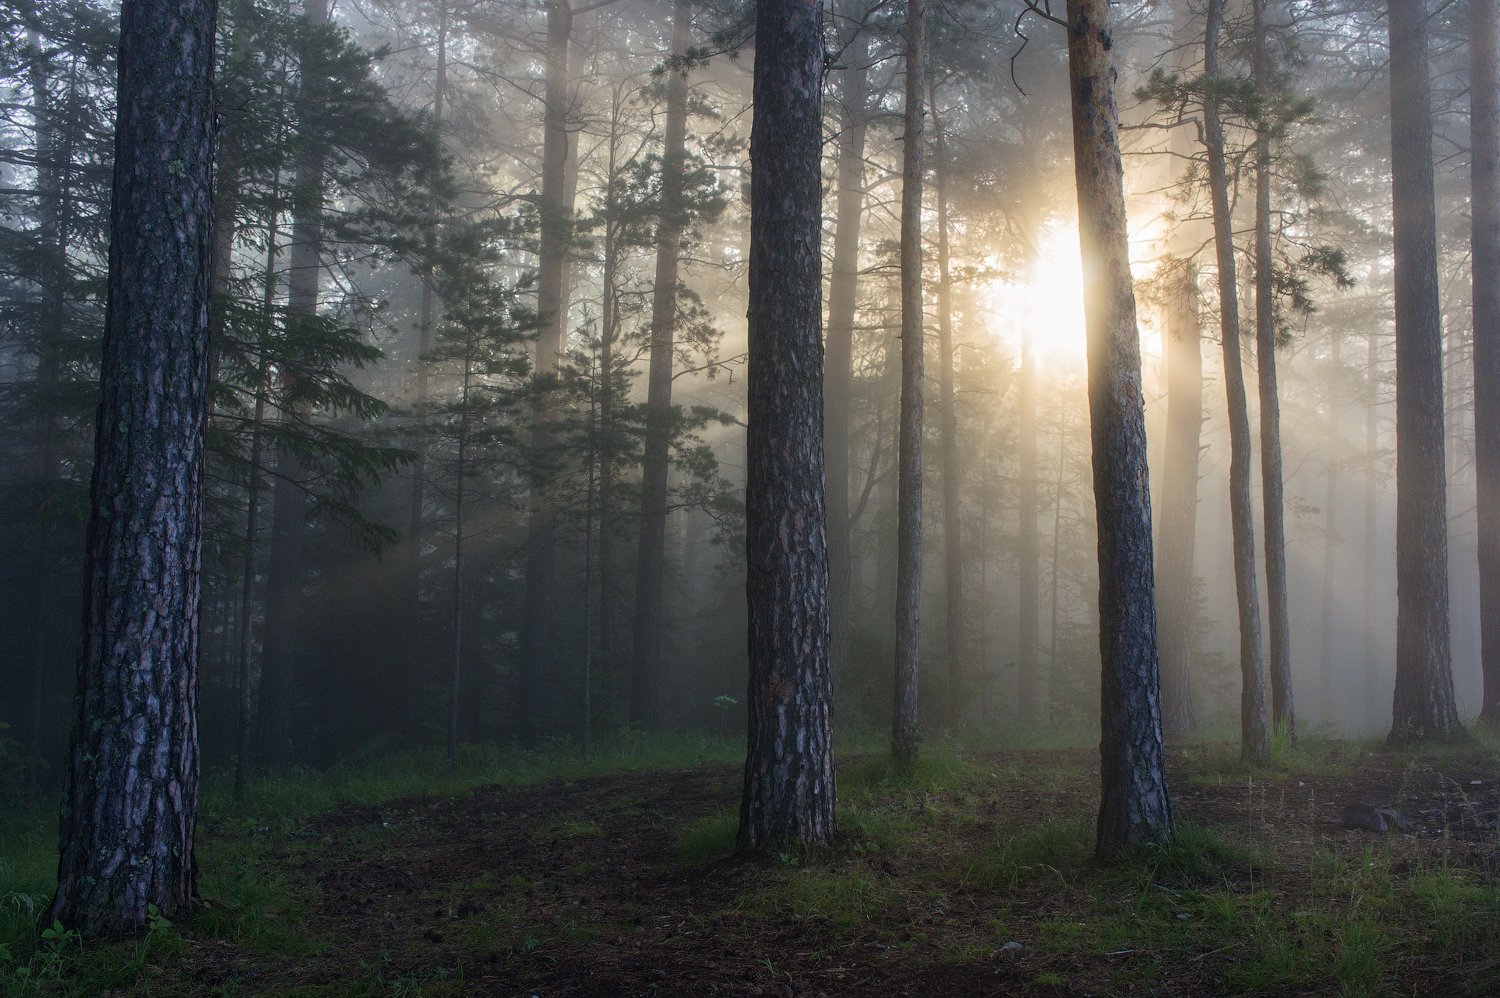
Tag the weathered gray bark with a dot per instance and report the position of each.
(789, 778)
(1423, 706)
(1484, 145)
(1134, 807)
(130, 810)
(1279, 630)
(843, 294)
(1255, 743)
(650, 609)
(909, 458)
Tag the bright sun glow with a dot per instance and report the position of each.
(1047, 301)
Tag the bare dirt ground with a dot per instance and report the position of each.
(582, 888)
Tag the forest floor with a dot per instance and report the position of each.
(972, 875)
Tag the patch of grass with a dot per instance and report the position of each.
(570, 829)
(847, 898)
(1058, 850)
(708, 838)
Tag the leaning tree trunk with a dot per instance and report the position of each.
(1423, 705)
(953, 565)
(909, 460)
(1134, 807)
(130, 811)
(650, 608)
(1484, 126)
(1254, 742)
(843, 293)
(1272, 479)
(789, 779)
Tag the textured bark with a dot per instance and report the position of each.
(789, 778)
(1423, 705)
(1134, 807)
(909, 456)
(1182, 348)
(650, 609)
(1484, 125)
(1279, 628)
(953, 542)
(1254, 742)
(843, 294)
(129, 814)
(280, 682)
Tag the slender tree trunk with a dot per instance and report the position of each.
(456, 670)
(1054, 661)
(1283, 714)
(608, 323)
(1254, 741)
(1176, 546)
(1028, 541)
(1373, 692)
(1134, 807)
(650, 609)
(1423, 706)
(789, 778)
(1326, 635)
(1484, 126)
(909, 468)
(953, 538)
(130, 811)
(843, 296)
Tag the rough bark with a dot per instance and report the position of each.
(1423, 705)
(1134, 807)
(953, 542)
(1279, 628)
(909, 456)
(843, 294)
(650, 608)
(129, 814)
(1255, 743)
(789, 778)
(1484, 144)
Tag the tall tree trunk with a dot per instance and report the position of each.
(789, 778)
(608, 323)
(1423, 705)
(417, 504)
(130, 811)
(556, 232)
(953, 541)
(1134, 806)
(1176, 546)
(1254, 741)
(1373, 693)
(1484, 126)
(1028, 540)
(650, 609)
(1283, 714)
(909, 467)
(456, 665)
(1326, 630)
(843, 296)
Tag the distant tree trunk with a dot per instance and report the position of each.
(843, 294)
(1423, 706)
(650, 610)
(608, 329)
(535, 653)
(789, 778)
(1326, 630)
(1176, 546)
(1254, 741)
(909, 469)
(1484, 125)
(130, 811)
(1272, 479)
(1028, 541)
(1373, 693)
(456, 671)
(953, 542)
(417, 505)
(1134, 808)
(280, 681)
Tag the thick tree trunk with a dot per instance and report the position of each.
(1423, 706)
(129, 814)
(1484, 126)
(1134, 807)
(650, 609)
(953, 542)
(789, 778)
(1279, 632)
(909, 466)
(843, 295)
(1254, 741)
